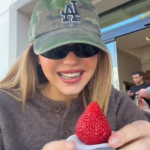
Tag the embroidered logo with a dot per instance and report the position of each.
(70, 14)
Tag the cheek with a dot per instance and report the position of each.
(92, 62)
(48, 65)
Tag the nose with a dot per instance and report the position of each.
(71, 59)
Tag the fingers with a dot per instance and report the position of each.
(60, 145)
(143, 144)
(112, 132)
(131, 132)
(143, 93)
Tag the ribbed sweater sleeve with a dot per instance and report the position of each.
(1, 142)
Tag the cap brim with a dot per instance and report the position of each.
(54, 39)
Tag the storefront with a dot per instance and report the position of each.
(126, 30)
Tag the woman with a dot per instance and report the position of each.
(65, 67)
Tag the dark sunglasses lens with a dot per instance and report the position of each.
(84, 51)
(57, 53)
(81, 50)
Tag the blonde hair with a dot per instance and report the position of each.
(26, 75)
(100, 86)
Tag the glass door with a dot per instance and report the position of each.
(113, 51)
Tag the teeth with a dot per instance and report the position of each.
(70, 75)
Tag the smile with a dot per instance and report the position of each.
(70, 75)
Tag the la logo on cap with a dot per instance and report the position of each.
(70, 14)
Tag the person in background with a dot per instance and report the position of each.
(137, 77)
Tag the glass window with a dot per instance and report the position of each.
(112, 49)
(129, 13)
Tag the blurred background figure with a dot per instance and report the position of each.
(137, 77)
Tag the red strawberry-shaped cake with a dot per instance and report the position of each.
(93, 127)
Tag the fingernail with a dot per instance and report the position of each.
(114, 141)
(70, 145)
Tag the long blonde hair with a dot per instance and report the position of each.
(26, 75)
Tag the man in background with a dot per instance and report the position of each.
(137, 77)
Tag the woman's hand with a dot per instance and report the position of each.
(135, 136)
(60, 145)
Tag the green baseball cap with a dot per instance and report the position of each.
(60, 22)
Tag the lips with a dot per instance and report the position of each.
(71, 71)
(71, 76)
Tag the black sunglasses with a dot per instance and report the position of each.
(80, 50)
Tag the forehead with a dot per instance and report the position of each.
(136, 76)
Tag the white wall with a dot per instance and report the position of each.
(137, 52)
(4, 43)
(22, 34)
(5, 5)
(4, 36)
(126, 65)
(146, 58)
(146, 52)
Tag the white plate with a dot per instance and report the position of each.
(82, 146)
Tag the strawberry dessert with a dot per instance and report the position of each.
(92, 129)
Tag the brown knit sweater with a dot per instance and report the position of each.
(44, 120)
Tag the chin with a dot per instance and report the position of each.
(71, 91)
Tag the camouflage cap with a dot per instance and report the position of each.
(59, 22)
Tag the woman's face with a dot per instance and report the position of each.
(70, 74)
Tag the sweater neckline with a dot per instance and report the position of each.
(56, 106)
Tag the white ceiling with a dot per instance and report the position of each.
(134, 43)
(101, 5)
